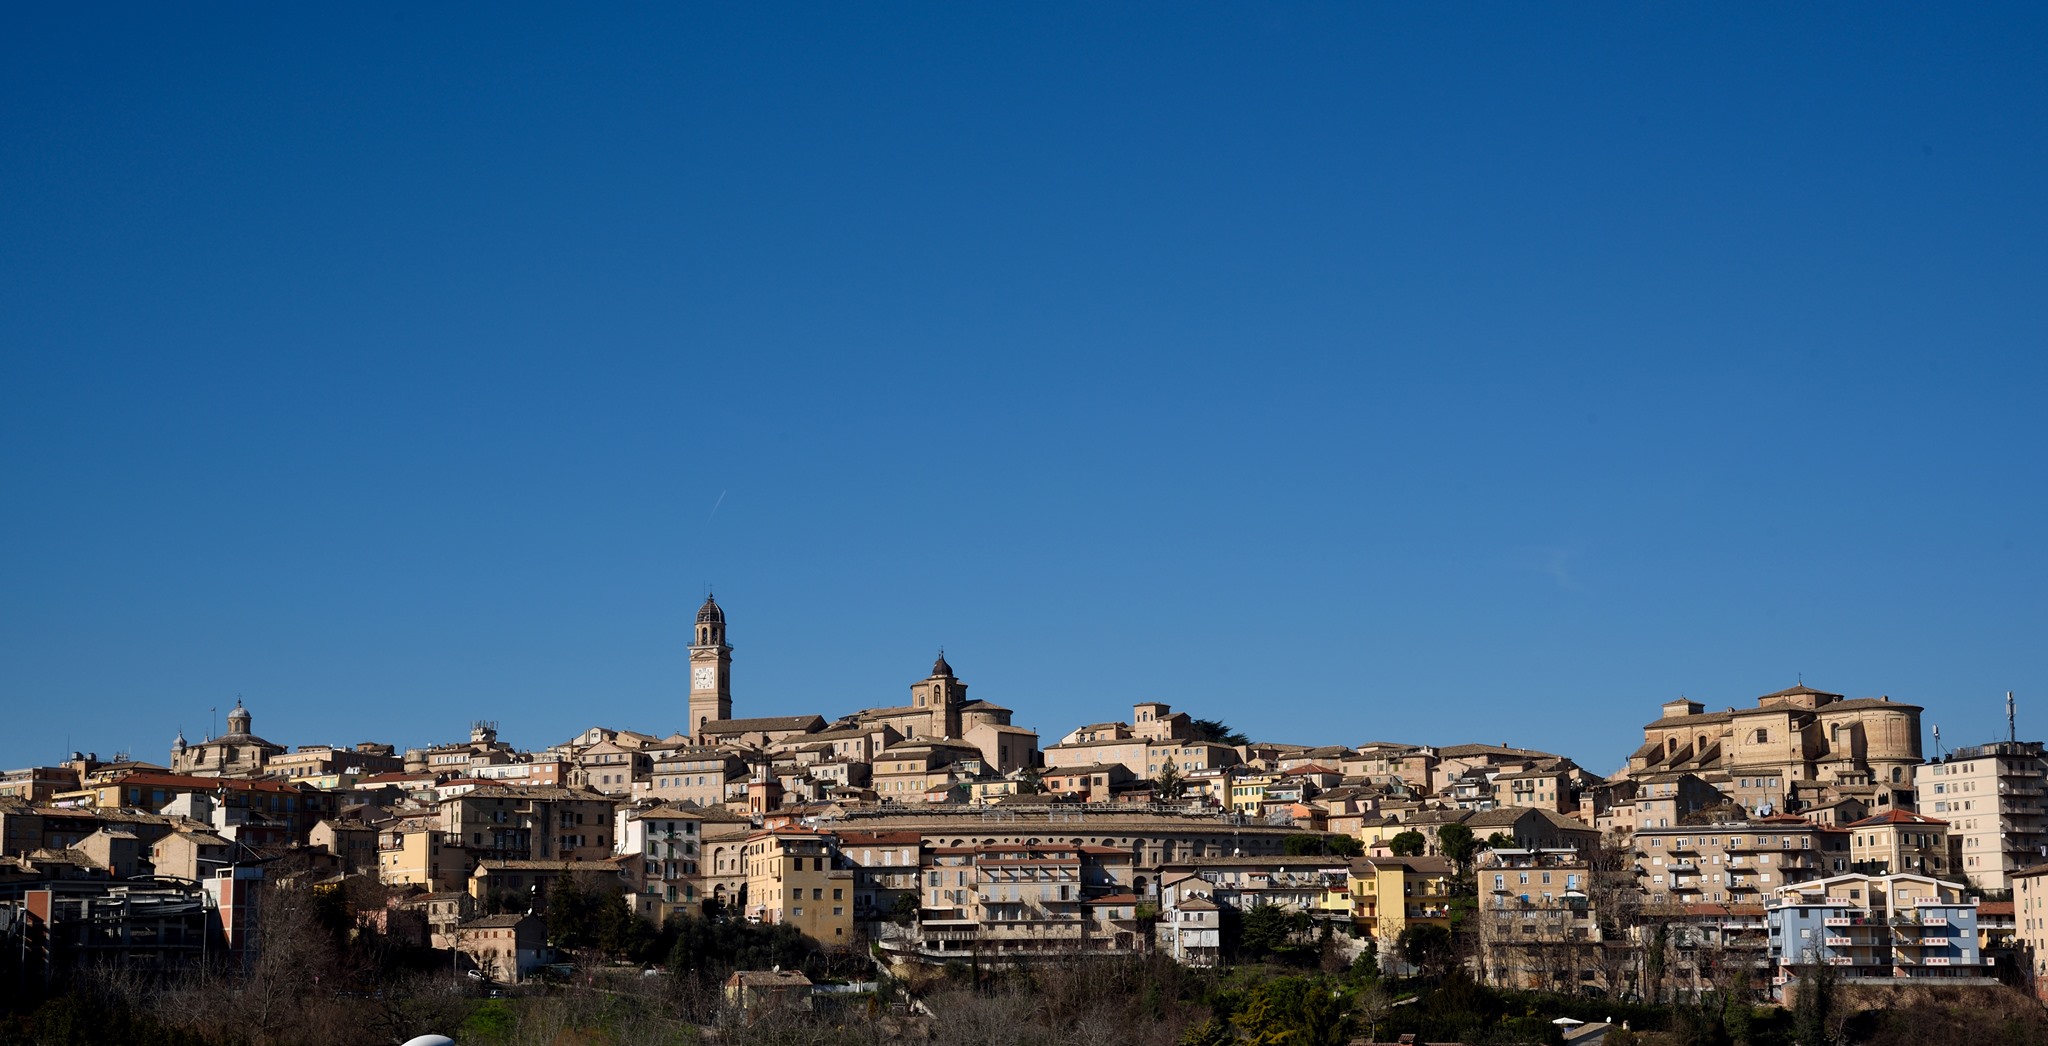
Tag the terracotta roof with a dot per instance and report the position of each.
(806, 723)
(1419, 865)
(202, 783)
(1895, 817)
(767, 979)
(1463, 751)
(667, 810)
(1802, 690)
(497, 922)
(571, 867)
(1702, 719)
(1862, 703)
(1310, 768)
(1088, 768)
(847, 839)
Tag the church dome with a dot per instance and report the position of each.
(941, 668)
(709, 613)
(238, 719)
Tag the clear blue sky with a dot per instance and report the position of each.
(1440, 374)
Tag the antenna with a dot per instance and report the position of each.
(2011, 731)
(1938, 753)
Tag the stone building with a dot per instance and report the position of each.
(237, 753)
(1865, 747)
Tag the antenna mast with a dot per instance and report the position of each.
(2011, 732)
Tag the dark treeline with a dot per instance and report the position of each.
(322, 980)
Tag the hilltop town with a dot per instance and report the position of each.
(1804, 831)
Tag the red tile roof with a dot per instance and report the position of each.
(1895, 817)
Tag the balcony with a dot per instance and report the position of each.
(1835, 920)
(1837, 942)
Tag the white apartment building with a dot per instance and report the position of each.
(1991, 797)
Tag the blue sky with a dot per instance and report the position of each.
(1439, 374)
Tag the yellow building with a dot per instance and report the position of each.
(1248, 792)
(1390, 894)
(416, 852)
(793, 879)
(905, 771)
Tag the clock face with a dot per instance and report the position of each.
(703, 678)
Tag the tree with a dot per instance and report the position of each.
(1167, 784)
(1366, 968)
(903, 911)
(1307, 844)
(1814, 1021)
(1290, 1011)
(1030, 782)
(1269, 928)
(1410, 843)
(1211, 1032)
(570, 912)
(1428, 948)
(1457, 843)
(1373, 1005)
(1500, 841)
(1215, 731)
(619, 932)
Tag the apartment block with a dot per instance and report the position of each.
(1883, 928)
(1535, 921)
(1740, 862)
(1991, 797)
(1019, 902)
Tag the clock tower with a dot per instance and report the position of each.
(710, 670)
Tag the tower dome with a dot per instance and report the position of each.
(238, 719)
(710, 613)
(941, 668)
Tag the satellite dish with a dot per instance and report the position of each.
(431, 1040)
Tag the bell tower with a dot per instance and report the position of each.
(710, 670)
(943, 693)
